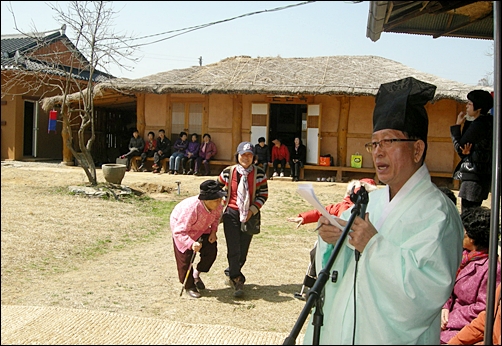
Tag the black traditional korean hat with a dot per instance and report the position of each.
(399, 105)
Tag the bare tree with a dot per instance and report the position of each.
(74, 67)
(487, 80)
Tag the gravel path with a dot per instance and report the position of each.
(28, 325)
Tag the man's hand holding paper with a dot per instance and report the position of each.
(329, 233)
(359, 235)
(307, 192)
(331, 227)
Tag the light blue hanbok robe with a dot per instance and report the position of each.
(405, 274)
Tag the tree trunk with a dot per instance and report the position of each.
(67, 154)
(86, 161)
(84, 157)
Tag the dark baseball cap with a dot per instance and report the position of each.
(245, 147)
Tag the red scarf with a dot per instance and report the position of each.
(469, 256)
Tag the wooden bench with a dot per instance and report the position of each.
(135, 159)
(226, 163)
(442, 174)
(287, 166)
(456, 183)
(221, 162)
(230, 163)
(339, 171)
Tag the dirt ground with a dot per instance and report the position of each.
(77, 252)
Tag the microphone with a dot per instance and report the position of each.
(363, 210)
(362, 198)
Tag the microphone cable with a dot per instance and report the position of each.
(362, 198)
(354, 325)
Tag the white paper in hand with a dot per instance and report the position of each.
(307, 192)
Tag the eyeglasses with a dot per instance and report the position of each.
(385, 143)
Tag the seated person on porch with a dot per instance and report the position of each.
(136, 146)
(163, 150)
(179, 148)
(280, 155)
(206, 152)
(262, 152)
(191, 154)
(298, 156)
(149, 150)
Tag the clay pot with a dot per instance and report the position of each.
(113, 172)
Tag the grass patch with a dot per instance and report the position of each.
(157, 211)
(153, 216)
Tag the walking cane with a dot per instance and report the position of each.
(188, 272)
(300, 295)
(189, 269)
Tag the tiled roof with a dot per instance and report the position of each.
(22, 44)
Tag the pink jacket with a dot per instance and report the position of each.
(474, 332)
(209, 151)
(468, 298)
(190, 219)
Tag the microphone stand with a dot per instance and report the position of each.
(314, 296)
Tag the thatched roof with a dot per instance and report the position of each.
(327, 75)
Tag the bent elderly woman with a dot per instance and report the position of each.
(194, 223)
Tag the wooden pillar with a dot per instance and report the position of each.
(456, 158)
(205, 116)
(168, 126)
(140, 114)
(236, 122)
(343, 125)
(67, 155)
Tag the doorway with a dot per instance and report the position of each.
(288, 121)
(30, 129)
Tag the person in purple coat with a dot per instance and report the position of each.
(191, 154)
(206, 152)
(468, 298)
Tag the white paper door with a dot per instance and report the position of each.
(259, 114)
(313, 133)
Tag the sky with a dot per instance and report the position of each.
(319, 28)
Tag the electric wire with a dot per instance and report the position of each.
(201, 26)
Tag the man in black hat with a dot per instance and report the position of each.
(194, 222)
(262, 152)
(397, 265)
